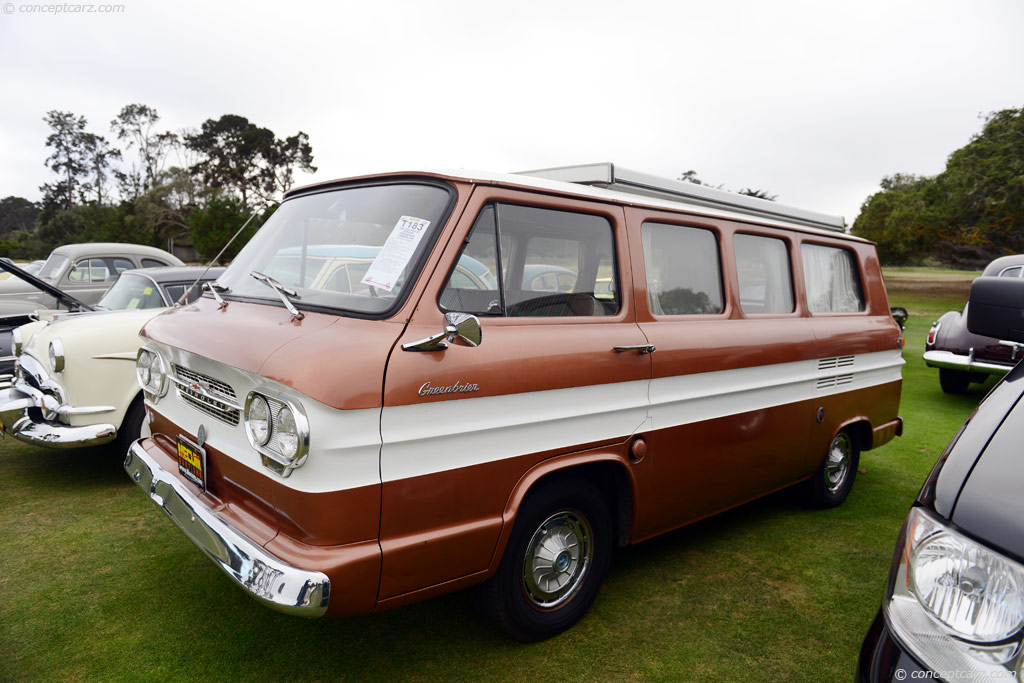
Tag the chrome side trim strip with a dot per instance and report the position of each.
(277, 584)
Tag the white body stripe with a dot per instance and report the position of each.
(346, 448)
(709, 395)
(433, 437)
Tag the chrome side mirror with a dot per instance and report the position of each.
(462, 327)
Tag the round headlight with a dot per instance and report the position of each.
(56, 355)
(972, 590)
(144, 368)
(157, 374)
(287, 433)
(16, 341)
(257, 420)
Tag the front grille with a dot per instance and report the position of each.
(209, 405)
(216, 387)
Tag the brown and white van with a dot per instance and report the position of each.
(412, 383)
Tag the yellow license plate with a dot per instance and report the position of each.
(192, 462)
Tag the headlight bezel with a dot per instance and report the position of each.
(151, 372)
(281, 461)
(55, 351)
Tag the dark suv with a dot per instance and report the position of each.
(954, 605)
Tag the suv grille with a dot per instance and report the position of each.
(207, 403)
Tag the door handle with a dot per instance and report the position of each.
(642, 348)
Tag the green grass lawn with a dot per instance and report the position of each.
(97, 584)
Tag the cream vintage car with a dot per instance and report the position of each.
(74, 382)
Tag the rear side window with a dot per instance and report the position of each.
(765, 279)
(523, 261)
(683, 271)
(151, 263)
(833, 282)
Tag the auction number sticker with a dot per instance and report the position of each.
(401, 244)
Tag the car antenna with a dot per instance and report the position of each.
(216, 258)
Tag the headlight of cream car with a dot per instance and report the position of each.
(956, 603)
(56, 355)
(151, 371)
(278, 430)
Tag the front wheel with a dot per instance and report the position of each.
(554, 563)
(831, 484)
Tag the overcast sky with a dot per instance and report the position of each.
(812, 101)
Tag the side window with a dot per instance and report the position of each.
(548, 263)
(150, 263)
(833, 283)
(684, 274)
(122, 264)
(762, 264)
(174, 292)
(473, 285)
(90, 270)
(1012, 271)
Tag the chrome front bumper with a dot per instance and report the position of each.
(954, 361)
(276, 584)
(18, 419)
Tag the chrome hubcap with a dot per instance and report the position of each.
(557, 558)
(837, 462)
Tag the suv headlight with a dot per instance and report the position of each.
(278, 430)
(957, 604)
(151, 371)
(56, 355)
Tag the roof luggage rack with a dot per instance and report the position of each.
(612, 177)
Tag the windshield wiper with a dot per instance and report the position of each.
(283, 292)
(214, 287)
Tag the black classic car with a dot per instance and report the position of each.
(954, 605)
(963, 357)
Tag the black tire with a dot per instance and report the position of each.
(568, 519)
(954, 381)
(833, 480)
(131, 425)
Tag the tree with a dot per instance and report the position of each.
(135, 124)
(690, 177)
(759, 194)
(68, 159)
(97, 155)
(17, 214)
(237, 155)
(967, 215)
(213, 224)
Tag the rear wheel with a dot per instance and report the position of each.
(831, 484)
(954, 381)
(554, 563)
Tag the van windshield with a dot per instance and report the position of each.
(351, 249)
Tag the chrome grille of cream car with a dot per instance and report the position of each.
(206, 399)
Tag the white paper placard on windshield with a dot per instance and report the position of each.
(396, 253)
